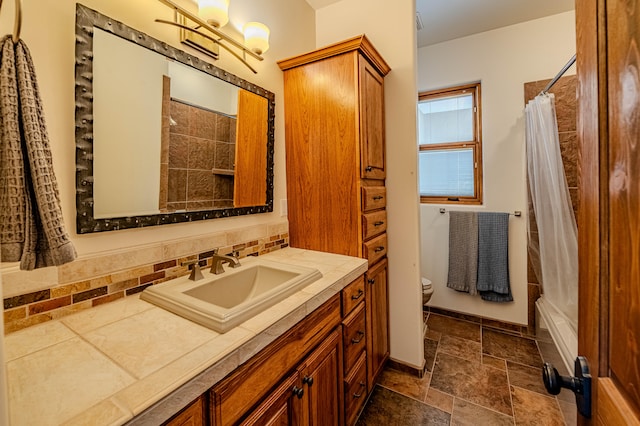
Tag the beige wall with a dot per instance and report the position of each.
(392, 32)
(48, 30)
(503, 60)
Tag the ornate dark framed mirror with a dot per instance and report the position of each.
(162, 136)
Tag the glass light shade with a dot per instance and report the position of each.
(256, 37)
(215, 12)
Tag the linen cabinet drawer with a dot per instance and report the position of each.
(375, 249)
(373, 197)
(354, 337)
(355, 389)
(374, 224)
(352, 295)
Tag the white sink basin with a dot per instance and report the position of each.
(221, 302)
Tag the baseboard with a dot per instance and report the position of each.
(406, 368)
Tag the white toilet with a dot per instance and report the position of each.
(427, 290)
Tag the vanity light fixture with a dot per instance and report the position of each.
(204, 33)
(215, 12)
(256, 37)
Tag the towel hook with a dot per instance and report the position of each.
(17, 26)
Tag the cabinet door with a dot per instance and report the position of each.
(321, 374)
(372, 158)
(377, 305)
(193, 415)
(281, 407)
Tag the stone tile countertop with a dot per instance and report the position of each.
(132, 362)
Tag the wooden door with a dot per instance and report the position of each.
(321, 129)
(250, 171)
(609, 216)
(377, 306)
(372, 156)
(321, 377)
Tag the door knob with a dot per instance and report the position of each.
(580, 384)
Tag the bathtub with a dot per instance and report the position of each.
(562, 332)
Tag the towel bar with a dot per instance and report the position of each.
(17, 26)
(516, 213)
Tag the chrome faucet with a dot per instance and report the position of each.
(217, 260)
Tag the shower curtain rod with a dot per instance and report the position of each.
(557, 77)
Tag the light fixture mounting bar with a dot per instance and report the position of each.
(203, 24)
(185, 27)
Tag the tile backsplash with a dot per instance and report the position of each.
(35, 297)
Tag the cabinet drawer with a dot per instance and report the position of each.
(375, 249)
(373, 224)
(354, 337)
(352, 295)
(355, 389)
(373, 197)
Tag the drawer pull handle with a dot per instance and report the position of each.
(369, 168)
(357, 296)
(378, 197)
(371, 281)
(307, 380)
(360, 335)
(299, 392)
(379, 249)
(358, 395)
(378, 223)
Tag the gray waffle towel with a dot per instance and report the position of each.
(31, 224)
(493, 257)
(463, 251)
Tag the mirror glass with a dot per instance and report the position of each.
(162, 136)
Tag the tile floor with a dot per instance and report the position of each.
(476, 375)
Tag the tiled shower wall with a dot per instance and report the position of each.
(566, 102)
(38, 296)
(195, 142)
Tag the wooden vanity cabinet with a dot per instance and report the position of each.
(309, 395)
(297, 379)
(335, 150)
(192, 415)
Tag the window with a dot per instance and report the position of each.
(450, 146)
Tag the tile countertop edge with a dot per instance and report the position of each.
(176, 400)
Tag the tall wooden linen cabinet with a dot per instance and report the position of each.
(335, 149)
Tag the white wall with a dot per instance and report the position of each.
(4, 405)
(392, 32)
(503, 60)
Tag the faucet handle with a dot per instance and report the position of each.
(196, 273)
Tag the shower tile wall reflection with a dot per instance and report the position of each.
(198, 158)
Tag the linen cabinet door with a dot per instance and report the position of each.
(377, 318)
(372, 144)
